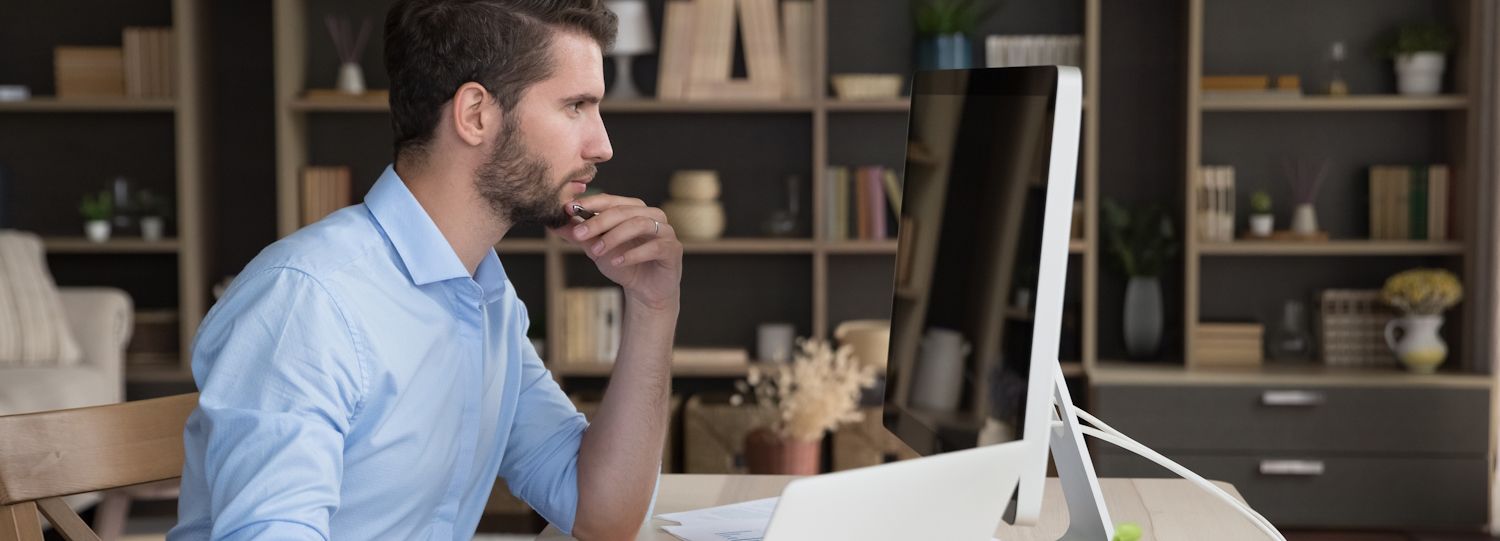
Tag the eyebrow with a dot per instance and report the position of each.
(590, 98)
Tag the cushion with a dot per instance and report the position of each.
(33, 330)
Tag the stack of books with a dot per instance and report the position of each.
(1409, 202)
(1250, 86)
(88, 71)
(324, 189)
(697, 53)
(1227, 345)
(858, 200)
(591, 318)
(150, 62)
(1009, 51)
(1213, 191)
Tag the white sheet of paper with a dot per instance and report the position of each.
(744, 511)
(734, 530)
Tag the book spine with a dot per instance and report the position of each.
(1418, 202)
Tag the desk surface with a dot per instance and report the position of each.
(1166, 509)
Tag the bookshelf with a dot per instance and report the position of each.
(160, 143)
(1448, 123)
(826, 281)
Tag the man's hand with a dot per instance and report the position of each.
(633, 245)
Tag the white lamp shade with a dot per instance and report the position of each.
(634, 36)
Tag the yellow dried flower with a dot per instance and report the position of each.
(818, 390)
(1422, 291)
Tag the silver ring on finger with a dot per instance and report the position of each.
(657, 231)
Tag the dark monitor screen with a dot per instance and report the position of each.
(969, 252)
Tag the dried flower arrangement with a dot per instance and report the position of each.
(1423, 291)
(818, 390)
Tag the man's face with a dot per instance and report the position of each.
(550, 143)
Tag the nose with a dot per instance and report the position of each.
(597, 148)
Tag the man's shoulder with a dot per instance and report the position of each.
(336, 246)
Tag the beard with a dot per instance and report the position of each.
(518, 184)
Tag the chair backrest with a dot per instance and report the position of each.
(47, 455)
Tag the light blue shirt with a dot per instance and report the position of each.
(358, 383)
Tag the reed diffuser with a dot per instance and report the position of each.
(350, 46)
(1306, 177)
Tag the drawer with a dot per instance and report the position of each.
(1442, 421)
(1339, 492)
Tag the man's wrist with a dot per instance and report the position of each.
(662, 307)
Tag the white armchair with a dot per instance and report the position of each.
(101, 321)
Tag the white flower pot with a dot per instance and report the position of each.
(1420, 347)
(351, 78)
(96, 230)
(1420, 74)
(152, 228)
(1262, 225)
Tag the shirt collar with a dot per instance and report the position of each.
(421, 246)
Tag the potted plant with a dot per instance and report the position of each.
(1421, 295)
(96, 211)
(1141, 242)
(154, 212)
(943, 30)
(798, 401)
(1262, 222)
(1418, 51)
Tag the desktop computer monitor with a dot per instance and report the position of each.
(973, 380)
(982, 262)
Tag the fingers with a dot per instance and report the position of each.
(601, 202)
(636, 228)
(613, 218)
(660, 249)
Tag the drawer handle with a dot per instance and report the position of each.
(1300, 468)
(1291, 398)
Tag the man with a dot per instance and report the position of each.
(369, 376)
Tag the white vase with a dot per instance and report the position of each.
(152, 228)
(1305, 220)
(1262, 225)
(351, 78)
(1420, 74)
(938, 383)
(96, 230)
(1419, 347)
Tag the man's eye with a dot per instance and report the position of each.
(577, 106)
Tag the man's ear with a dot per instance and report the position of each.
(474, 120)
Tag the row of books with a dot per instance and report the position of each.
(591, 323)
(324, 189)
(1213, 190)
(858, 201)
(1008, 51)
(1409, 202)
(1227, 345)
(143, 67)
(697, 50)
(1251, 86)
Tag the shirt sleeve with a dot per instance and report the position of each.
(541, 456)
(280, 385)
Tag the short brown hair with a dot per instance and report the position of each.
(432, 47)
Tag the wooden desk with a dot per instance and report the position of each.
(1166, 509)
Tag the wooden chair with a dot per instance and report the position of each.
(47, 455)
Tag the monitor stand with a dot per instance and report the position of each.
(1088, 517)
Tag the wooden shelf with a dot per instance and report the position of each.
(1078, 246)
(1335, 103)
(732, 246)
(859, 247)
(1126, 373)
(339, 105)
(681, 371)
(108, 104)
(166, 374)
(1331, 248)
(80, 245)
(835, 105)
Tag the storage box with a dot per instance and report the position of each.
(713, 434)
(1227, 345)
(89, 71)
(867, 443)
(1352, 328)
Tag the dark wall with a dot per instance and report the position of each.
(243, 122)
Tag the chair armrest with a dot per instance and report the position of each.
(101, 320)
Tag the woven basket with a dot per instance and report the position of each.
(867, 443)
(713, 435)
(1352, 328)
